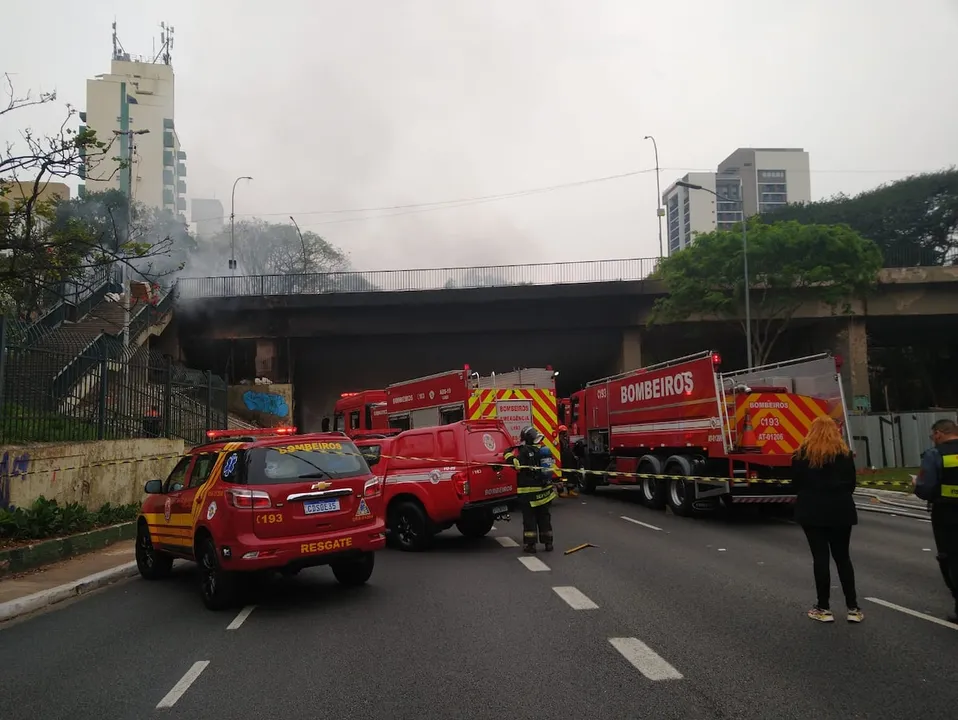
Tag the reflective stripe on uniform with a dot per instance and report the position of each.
(949, 461)
(949, 491)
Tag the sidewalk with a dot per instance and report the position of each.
(35, 589)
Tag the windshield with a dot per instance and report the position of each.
(285, 464)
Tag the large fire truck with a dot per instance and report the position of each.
(518, 398)
(725, 436)
(362, 415)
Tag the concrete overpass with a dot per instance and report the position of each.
(327, 333)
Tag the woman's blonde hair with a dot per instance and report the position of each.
(823, 443)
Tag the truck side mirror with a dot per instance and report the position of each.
(153, 487)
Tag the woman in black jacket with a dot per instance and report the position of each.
(824, 478)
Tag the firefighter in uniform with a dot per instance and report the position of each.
(937, 482)
(535, 471)
(569, 462)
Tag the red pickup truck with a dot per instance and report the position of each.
(437, 477)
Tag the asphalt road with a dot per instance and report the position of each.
(666, 618)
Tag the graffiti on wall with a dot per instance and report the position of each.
(264, 402)
(11, 467)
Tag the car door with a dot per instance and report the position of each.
(190, 501)
(169, 528)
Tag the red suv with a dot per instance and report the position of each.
(263, 500)
(437, 477)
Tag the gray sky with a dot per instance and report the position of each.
(338, 104)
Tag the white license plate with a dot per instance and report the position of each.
(321, 506)
(499, 509)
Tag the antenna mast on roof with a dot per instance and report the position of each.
(166, 44)
(118, 52)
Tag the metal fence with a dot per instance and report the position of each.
(893, 440)
(592, 271)
(103, 390)
(908, 256)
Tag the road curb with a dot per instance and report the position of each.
(37, 601)
(45, 552)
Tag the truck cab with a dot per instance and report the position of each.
(362, 414)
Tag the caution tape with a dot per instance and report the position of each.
(467, 464)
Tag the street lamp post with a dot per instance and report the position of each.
(233, 215)
(296, 225)
(125, 295)
(748, 309)
(659, 210)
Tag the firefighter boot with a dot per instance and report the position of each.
(546, 538)
(529, 541)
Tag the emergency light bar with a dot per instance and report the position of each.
(716, 360)
(349, 394)
(255, 432)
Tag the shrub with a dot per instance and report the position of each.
(46, 519)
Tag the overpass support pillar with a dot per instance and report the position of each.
(851, 342)
(267, 355)
(630, 355)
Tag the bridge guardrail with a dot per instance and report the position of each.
(589, 271)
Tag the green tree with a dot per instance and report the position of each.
(789, 264)
(914, 221)
(46, 241)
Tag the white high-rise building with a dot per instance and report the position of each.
(768, 177)
(133, 106)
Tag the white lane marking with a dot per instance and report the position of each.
(493, 527)
(241, 618)
(574, 598)
(639, 522)
(183, 685)
(534, 564)
(507, 542)
(913, 613)
(645, 659)
(926, 549)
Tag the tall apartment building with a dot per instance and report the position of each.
(766, 177)
(133, 106)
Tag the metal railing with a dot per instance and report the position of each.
(491, 276)
(907, 256)
(105, 391)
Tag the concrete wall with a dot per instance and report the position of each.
(90, 473)
(263, 405)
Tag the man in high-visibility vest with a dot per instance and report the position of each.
(535, 473)
(937, 482)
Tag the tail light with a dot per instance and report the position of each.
(460, 481)
(716, 360)
(373, 488)
(248, 499)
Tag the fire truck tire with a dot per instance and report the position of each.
(475, 525)
(152, 564)
(354, 572)
(217, 587)
(681, 494)
(653, 491)
(408, 526)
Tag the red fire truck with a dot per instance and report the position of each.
(362, 414)
(517, 398)
(687, 418)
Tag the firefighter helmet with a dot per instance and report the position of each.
(530, 435)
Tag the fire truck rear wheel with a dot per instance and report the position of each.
(681, 493)
(408, 526)
(475, 525)
(653, 491)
